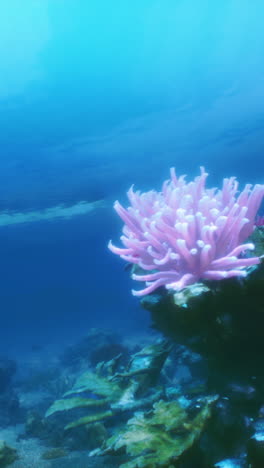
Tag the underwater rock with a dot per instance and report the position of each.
(231, 463)
(246, 397)
(53, 453)
(107, 351)
(223, 321)
(228, 430)
(7, 455)
(255, 446)
(10, 411)
(35, 426)
(98, 345)
(187, 369)
(47, 431)
(7, 370)
(242, 392)
(87, 437)
(255, 450)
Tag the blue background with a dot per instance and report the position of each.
(95, 96)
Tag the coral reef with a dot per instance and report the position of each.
(223, 321)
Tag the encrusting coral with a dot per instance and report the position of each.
(187, 232)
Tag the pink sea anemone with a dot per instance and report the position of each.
(187, 232)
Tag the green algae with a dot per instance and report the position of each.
(115, 390)
(71, 403)
(161, 436)
(90, 419)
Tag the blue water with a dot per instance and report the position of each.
(95, 96)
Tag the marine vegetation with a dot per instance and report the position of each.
(188, 233)
(148, 422)
(112, 391)
(159, 437)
